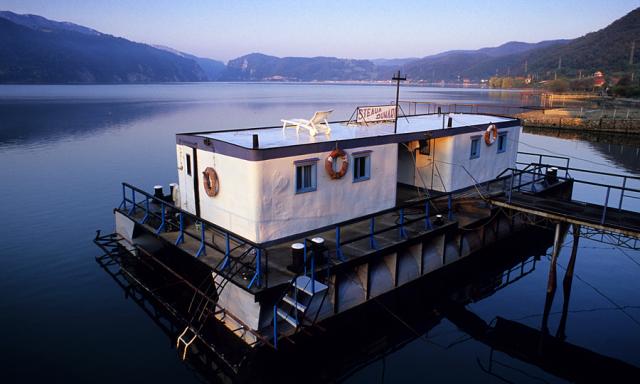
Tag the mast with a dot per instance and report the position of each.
(398, 79)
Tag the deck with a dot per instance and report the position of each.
(359, 238)
(258, 267)
(575, 212)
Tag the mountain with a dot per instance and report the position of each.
(34, 49)
(393, 62)
(605, 50)
(474, 64)
(257, 67)
(37, 50)
(212, 68)
(41, 24)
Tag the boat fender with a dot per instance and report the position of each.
(491, 134)
(211, 182)
(328, 163)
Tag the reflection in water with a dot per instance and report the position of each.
(45, 114)
(64, 151)
(33, 123)
(344, 347)
(622, 150)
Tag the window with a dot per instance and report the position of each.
(502, 142)
(188, 165)
(475, 147)
(305, 177)
(361, 167)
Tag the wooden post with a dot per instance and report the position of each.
(551, 283)
(566, 284)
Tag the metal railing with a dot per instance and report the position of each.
(566, 160)
(162, 216)
(167, 216)
(539, 170)
(252, 257)
(428, 107)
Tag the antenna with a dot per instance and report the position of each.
(398, 79)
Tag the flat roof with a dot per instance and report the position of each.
(274, 143)
(275, 137)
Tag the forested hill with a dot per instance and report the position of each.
(37, 50)
(41, 51)
(257, 66)
(608, 50)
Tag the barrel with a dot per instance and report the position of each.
(157, 192)
(319, 250)
(297, 257)
(552, 175)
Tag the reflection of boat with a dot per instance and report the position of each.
(372, 332)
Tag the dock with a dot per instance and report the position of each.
(617, 218)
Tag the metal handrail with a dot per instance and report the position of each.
(623, 188)
(189, 214)
(456, 107)
(257, 277)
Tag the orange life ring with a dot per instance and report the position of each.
(328, 163)
(491, 134)
(211, 182)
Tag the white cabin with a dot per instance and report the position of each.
(280, 186)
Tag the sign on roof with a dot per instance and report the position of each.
(376, 114)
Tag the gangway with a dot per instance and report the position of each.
(617, 218)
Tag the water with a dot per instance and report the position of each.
(65, 149)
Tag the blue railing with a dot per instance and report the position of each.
(168, 216)
(163, 216)
(539, 170)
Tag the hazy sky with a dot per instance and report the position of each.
(357, 29)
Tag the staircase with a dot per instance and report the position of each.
(299, 306)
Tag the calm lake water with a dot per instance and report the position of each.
(65, 150)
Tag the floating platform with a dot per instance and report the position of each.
(270, 245)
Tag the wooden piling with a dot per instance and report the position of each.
(551, 283)
(566, 284)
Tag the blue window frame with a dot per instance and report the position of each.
(502, 142)
(475, 147)
(306, 177)
(361, 167)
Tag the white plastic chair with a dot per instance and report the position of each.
(317, 123)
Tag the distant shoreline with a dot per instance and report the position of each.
(346, 82)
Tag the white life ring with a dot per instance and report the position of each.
(491, 134)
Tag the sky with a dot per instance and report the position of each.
(224, 30)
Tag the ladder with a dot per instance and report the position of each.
(202, 311)
(298, 301)
(198, 320)
(187, 337)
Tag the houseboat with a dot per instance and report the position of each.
(280, 228)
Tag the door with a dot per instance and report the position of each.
(406, 166)
(189, 195)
